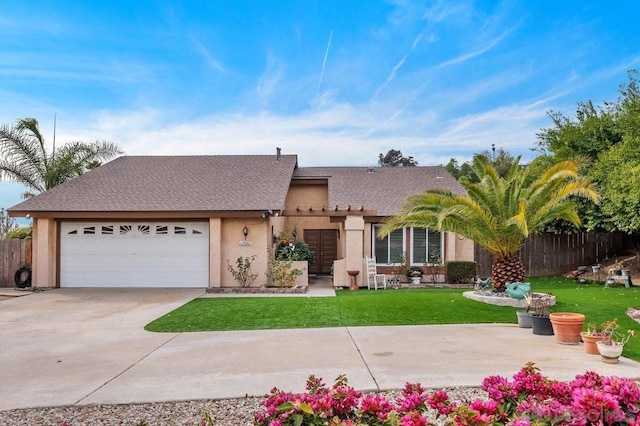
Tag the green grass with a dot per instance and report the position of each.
(395, 307)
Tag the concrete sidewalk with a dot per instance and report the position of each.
(82, 346)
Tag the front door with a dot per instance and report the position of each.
(324, 245)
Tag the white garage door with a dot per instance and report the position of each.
(153, 254)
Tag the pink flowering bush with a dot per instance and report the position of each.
(527, 400)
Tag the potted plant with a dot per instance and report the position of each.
(613, 341)
(541, 306)
(567, 327)
(415, 274)
(524, 315)
(591, 337)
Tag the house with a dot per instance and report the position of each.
(176, 221)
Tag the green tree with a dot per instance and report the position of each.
(395, 158)
(499, 213)
(604, 137)
(618, 172)
(24, 157)
(7, 224)
(501, 161)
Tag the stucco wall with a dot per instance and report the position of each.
(234, 245)
(45, 246)
(305, 195)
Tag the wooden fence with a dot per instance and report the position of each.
(551, 254)
(13, 254)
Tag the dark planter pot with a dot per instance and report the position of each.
(541, 325)
(524, 319)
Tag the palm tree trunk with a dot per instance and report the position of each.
(507, 270)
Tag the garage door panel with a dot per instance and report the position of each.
(134, 255)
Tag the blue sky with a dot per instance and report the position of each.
(336, 82)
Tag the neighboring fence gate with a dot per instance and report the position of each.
(13, 254)
(551, 254)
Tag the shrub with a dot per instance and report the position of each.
(459, 272)
(242, 271)
(23, 233)
(281, 272)
(529, 399)
(297, 250)
(290, 247)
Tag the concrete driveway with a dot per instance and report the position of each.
(85, 346)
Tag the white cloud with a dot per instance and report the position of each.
(270, 78)
(392, 75)
(336, 134)
(206, 55)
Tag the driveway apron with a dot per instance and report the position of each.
(60, 346)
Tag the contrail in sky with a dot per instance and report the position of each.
(324, 62)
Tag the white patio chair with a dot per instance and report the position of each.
(373, 277)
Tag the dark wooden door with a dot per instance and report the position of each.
(324, 245)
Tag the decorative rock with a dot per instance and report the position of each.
(500, 299)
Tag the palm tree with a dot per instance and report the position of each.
(500, 213)
(24, 157)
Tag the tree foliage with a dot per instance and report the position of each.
(605, 138)
(499, 213)
(7, 224)
(501, 161)
(24, 157)
(394, 158)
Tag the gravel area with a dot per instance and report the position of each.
(228, 412)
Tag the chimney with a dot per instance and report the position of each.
(278, 153)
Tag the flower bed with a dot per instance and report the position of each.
(528, 399)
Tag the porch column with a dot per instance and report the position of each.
(275, 226)
(44, 253)
(354, 246)
(215, 251)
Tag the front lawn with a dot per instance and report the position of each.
(395, 307)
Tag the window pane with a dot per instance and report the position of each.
(435, 247)
(419, 246)
(395, 245)
(380, 249)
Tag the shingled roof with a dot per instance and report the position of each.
(173, 183)
(380, 188)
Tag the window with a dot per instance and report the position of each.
(162, 229)
(107, 230)
(89, 230)
(426, 246)
(389, 249)
(143, 229)
(125, 229)
(179, 230)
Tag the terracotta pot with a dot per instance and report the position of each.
(567, 327)
(524, 319)
(610, 353)
(590, 341)
(541, 325)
